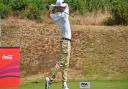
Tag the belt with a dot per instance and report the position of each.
(66, 39)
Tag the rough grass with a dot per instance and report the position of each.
(98, 52)
(90, 18)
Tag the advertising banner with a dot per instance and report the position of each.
(9, 67)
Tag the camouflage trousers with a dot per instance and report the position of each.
(63, 61)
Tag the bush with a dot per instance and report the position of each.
(83, 6)
(73, 5)
(33, 12)
(119, 10)
(34, 8)
(18, 5)
(5, 10)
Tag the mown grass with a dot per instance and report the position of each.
(96, 84)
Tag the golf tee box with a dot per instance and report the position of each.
(9, 67)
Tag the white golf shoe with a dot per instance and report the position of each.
(48, 82)
(65, 86)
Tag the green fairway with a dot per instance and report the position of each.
(120, 84)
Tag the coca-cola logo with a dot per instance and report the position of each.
(7, 57)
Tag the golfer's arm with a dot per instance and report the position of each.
(48, 13)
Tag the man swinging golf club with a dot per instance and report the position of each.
(61, 18)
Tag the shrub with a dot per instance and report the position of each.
(34, 8)
(33, 12)
(4, 10)
(18, 5)
(119, 10)
(83, 6)
(73, 5)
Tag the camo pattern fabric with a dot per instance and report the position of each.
(63, 61)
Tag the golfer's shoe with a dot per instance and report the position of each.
(65, 86)
(48, 82)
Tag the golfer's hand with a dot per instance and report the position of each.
(51, 7)
(48, 13)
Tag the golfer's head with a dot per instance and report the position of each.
(60, 6)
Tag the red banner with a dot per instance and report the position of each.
(9, 67)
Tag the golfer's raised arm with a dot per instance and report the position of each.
(49, 13)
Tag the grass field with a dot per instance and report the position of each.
(99, 84)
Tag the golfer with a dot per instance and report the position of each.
(61, 17)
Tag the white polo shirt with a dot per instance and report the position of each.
(62, 19)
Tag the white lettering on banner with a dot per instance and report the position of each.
(7, 57)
